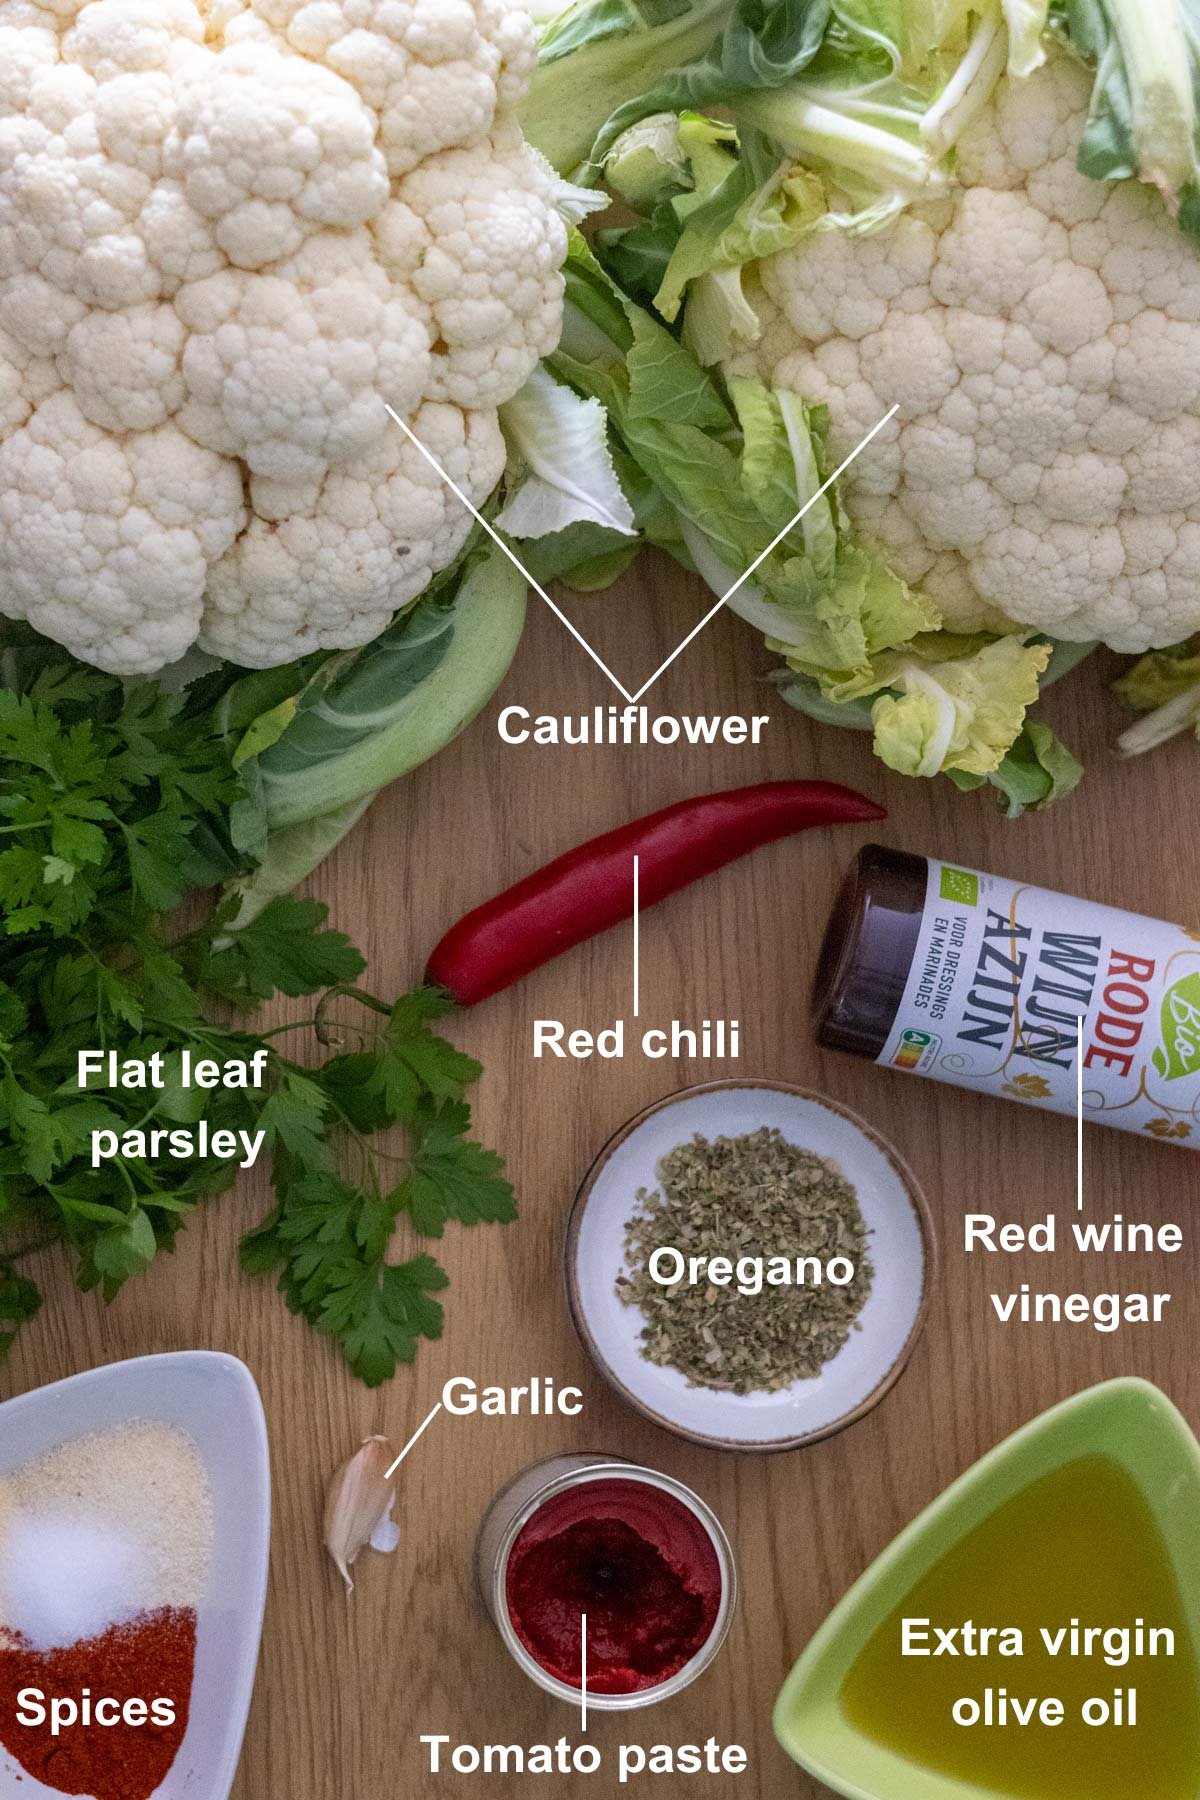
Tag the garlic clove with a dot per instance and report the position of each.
(358, 1507)
(386, 1535)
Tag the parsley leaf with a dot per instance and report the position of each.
(20, 1301)
(380, 1317)
(123, 1250)
(294, 1117)
(453, 1178)
(408, 1044)
(154, 847)
(117, 804)
(284, 951)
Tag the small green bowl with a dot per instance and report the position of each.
(1129, 1421)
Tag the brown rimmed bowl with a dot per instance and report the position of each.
(902, 1245)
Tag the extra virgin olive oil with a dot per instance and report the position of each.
(1079, 1546)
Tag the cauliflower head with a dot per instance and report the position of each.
(231, 233)
(1040, 334)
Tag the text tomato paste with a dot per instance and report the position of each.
(637, 1562)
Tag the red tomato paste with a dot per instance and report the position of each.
(638, 1562)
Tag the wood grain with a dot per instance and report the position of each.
(345, 1692)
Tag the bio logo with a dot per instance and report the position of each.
(1179, 1053)
(960, 886)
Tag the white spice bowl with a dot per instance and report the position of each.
(900, 1239)
(214, 1400)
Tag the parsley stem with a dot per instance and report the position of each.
(123, 1169)
(369, 1149)
(326, 1030)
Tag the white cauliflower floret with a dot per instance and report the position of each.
(122, 37)
(25, 381)
(133, 117)
(107, 541)
(1040, 340)
(55, 15)
(486, 273)
(365, 541)
(272, 148)
(435, 72)
(68, 211)
(24, 55)
(232, 234)
(124, 367)
(291, 369)
(180, 242)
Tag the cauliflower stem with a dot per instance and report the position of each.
(1165, 688)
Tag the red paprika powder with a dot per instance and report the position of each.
(152, 1657)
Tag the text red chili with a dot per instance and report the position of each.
(590, 889)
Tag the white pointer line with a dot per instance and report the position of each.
(412, 1440)
(637, 936)
(583, 1673)
(1079, 1116)
(633, 699)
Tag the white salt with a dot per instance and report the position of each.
(102, 1529)
(64, 1578)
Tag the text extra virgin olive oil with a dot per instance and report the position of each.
(1078, 1549)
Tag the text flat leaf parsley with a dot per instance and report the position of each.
(116, 804)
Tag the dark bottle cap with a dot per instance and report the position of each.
(868, 951)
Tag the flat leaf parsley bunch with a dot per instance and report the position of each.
(117, 806)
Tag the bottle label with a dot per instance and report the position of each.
(1004, 973)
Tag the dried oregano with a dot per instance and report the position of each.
(759, 1198)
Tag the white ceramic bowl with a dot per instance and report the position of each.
(901, 1244)
(215, 1401)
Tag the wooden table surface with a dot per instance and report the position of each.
(345, 1691)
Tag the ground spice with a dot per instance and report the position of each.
(143, 1478)
(151, 1657)
(759, 1198)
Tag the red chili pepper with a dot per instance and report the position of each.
(590, 889)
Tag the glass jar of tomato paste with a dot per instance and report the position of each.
(604, 1574)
